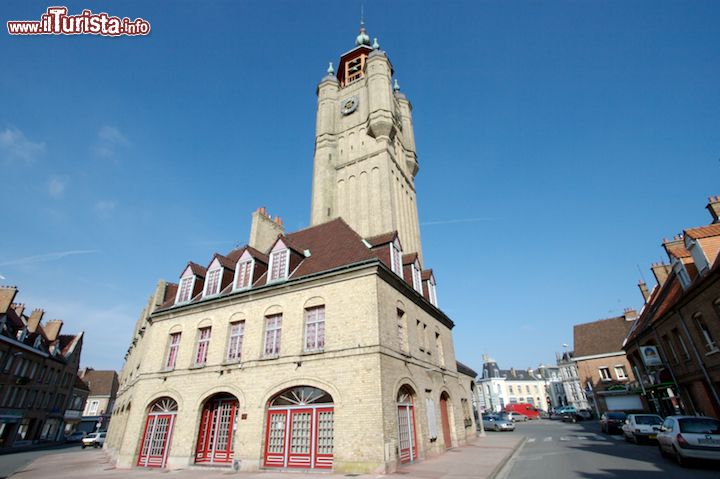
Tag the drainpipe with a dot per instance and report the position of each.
(714, 391)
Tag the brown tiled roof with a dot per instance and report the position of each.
(197, 270)
(382, 239)
(676, 249)
(224, 261)
(80, 384)
(409, 258)
(101, 383)
(704, 231)
(170, 292)
(237, 253)
(598, 337)
(426, 273)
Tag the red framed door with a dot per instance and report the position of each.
(275, 438)
(300, 438)
(445, 422)
(215, 437)
(156, 440)
(324, 437)
(406, 433)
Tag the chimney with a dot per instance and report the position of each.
(512, 372)
(630, 314)
(661, 272)
(264, 231)
(713, 207)
(34, 320)
(644, 291)
(7, 295)
(52, 329)
(19, 308)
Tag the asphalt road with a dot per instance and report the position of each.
(9, 463)
(557, 450)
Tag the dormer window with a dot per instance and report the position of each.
(244, 271)
(38, 342)
(279, 262)
(432, 293)
(185, 289)
(22, 334)
(396, 257)
(682, 274)
(212, 285)
(416, 279)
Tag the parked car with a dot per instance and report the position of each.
(515, 416)
(571, 417)
(95, 439)
(76, 436)
(689, 437)
(585, 414)
(563, 409)
(526, 409)
(641, 427)
(612, 421)
(492, 422)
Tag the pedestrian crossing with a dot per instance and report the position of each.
(574, 438)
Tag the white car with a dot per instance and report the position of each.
(641, 427)
(690, 437)
(95, 439)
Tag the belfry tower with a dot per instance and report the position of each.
(365, 161)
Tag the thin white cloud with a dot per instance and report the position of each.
(462, 220)
(42, 258)
(105, 208)
(57, 186)
(109, 140)
(15, 147)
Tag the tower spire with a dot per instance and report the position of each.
(363, 38)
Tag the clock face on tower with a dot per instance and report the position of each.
(349, 105)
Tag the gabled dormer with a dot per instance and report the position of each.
(191, 283)
(283, 258)
(703, 244)
(250, 265)
(429, 286)
(219, 275)
(411, 271)
(681, 260)
(388, 249)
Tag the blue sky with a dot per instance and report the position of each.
(558, 142)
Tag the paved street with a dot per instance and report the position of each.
(557, 450)
(10, 463)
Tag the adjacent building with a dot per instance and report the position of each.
(38, 367)
(102, 389)
(674, 344)
(602, 366)
(570, 392)
(319, 349)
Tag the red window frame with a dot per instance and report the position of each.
(237, 332)
(173, 350)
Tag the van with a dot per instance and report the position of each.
(524, 408)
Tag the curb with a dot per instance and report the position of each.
(494, 473)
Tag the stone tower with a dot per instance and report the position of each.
(365, 161)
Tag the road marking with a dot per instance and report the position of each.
(565, 438)
(532, 439)
(547, 439)
(582, 438)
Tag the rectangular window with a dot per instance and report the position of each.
(278, 264)
(202, 346)
(213, 282)
(432, 292)
(510, 390)
(315, 329)
(244, 274)
(439, 348)
(173, 351)
(605, 374)
(620, 372)
(273, 328)
(710, 345)
(185, 289)
(234, 351)
(417, 281)
(401, 331)
(420, 336)
(681, 341)
(671, 348)
(93, 407)
(395, 259)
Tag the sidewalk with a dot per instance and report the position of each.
(483, 458)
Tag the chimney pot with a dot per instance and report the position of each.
(644, 291)
(713, 207)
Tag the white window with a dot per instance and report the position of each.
(185, 289)
(315, 329)
(173, 347)
(605, 374)
(682, 274)
(396, 257)
(244, 273)
(686, 353)
(234, 350)
(431, 291)
(279, 264)
(212, 282)
(710, 345)
(202, 346)
(273, 328)
(620, 372)
(417, 280)
(93, 407)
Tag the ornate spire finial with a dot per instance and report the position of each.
(362, 38)
(396, 87)
(376, 45)
(330, 70)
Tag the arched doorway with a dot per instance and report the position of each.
(407, 439)
(215, 436)
(158, 433)
(445, 418)
(300, 429)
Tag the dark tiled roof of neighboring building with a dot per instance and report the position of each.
(382, 239)
(599, 337)
(80, 384)
(466, 370)
(101, 383)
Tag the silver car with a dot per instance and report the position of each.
(515, 416)
(493, 422)
(641, 427)
(689, 437)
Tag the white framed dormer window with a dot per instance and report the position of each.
(212, 281)
(396, 258)
(417, 280)
(185, 289)
(682, 274)
(244, 272)
(432, 292)
(279, 263)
